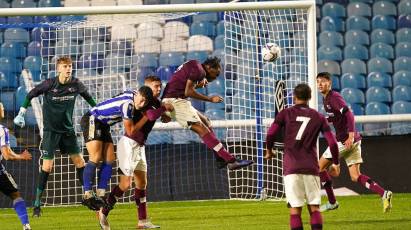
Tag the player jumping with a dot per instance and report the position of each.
(349, 145)
(300, 164)
(189, 76)
(7, 184)
(59, 96)
(96, 131)
(132, 157)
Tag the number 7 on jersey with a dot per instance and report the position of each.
(304, 124)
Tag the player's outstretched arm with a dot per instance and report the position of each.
(332, 143)
(9, 154)
(191, 92)
(154, 114)
(270, 141)
(86, 95)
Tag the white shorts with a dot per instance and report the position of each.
(302, 187)
(351, 156)
(184, 113)
(131, 156)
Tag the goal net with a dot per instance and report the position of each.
(114, 52)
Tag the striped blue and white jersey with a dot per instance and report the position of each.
(4, 138)
(115, 109)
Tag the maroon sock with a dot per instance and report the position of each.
(370, 184)
(212, 143)
(112, 198)
(316, 220)
(328, 186)
(296, 222)
(140, 198)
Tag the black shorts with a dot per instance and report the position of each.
(94, 129)
(7, 183)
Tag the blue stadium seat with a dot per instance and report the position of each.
(48, 33)
(404, 21)
(378, 94)
(215, 114)
(49, 3)
(65, 47)
(358, 23)
(146, 60)
(403, 49)
(198, 105)
(203, 28)
(332, 24)
(377, 108)
(403, 35)
(165, 72)
(381, 50)
(117, 61)
(181, 1)
(401, 93)
(219, 42)
(46, 19)
(74, 34)
(353, 65)
(402, 63)
(216, 87)
(358, 9)
(329, 53)
(401, 107)
(32, 63)
(333, 10)
(13, 50)
(355, 51)
(382, 35)
(201, 56)
(356, 109)
(4, 4)
(20, 20)
(357, 37)
(90, 61)
(206, 17)
(220, 28)
(336, 83)
(72, 18)
(351, 80)
(379, 64)
(329, 66)
(10, 66)
(171, 59)
(402, 77)
(353, 96)
(140, 73)
(383, 22)
(331, 38)
(8, 100)
(24, 4)
(3, 81)
(384, 8)
(16, 35)
(404, 7)
(379, 79)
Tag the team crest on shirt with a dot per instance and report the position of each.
(54, 90)
(328, 106)
(71, 90)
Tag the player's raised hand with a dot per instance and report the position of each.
(169, 107)
(19, 119)
(25, 155)
(269, 154)
(216, 99)
(348, 143)
(202, 84)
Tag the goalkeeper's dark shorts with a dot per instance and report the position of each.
(94, 129)
(66, 142)
(7, 183)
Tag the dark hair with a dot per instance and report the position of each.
(302, 92)
(325, 75)
(213, 62)
(151, 78)
(146, 92)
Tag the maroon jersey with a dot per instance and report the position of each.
(302, 126)
(192, 70)
(340, 115)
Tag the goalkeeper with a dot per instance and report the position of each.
(59, 96)
(7, 184)
(132, 157)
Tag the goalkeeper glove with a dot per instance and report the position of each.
(19, 119)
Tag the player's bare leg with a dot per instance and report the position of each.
(46, 167)
(90, 200)
(316, 219)
(106, 169)
(214, 144)
(370, 184)
(326, 182)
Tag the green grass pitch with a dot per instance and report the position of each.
(356, 212)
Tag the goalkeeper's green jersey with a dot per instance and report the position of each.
(58, 102)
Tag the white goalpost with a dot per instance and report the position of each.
(115, 47)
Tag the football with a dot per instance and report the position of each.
(270, 52)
